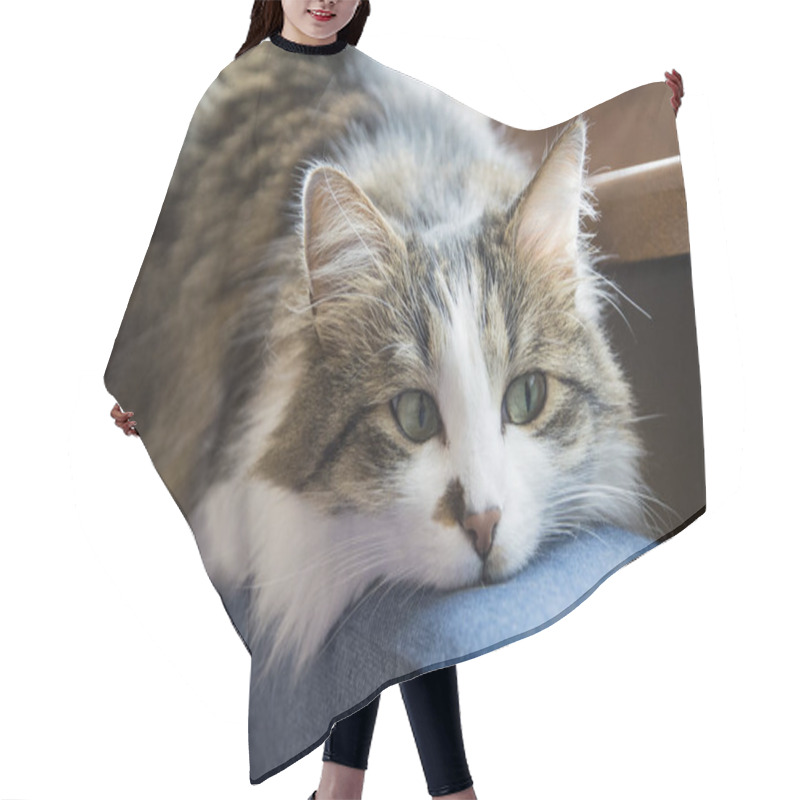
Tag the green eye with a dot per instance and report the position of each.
(416, 414)
(525, 397)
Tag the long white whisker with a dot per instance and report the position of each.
(610, 300)
(357, 548)
(622, 294)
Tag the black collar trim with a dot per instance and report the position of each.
(310, 49)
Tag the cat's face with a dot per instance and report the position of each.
(459, 388)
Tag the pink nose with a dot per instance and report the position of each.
(480, 528)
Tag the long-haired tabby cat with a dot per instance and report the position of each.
(381, 344)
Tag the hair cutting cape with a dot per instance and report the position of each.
(418, 381)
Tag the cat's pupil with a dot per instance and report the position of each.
(416, 414)
(525, 397)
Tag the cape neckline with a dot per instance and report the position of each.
(309, 49)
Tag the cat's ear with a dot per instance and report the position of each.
(545, 225)
(347, 242)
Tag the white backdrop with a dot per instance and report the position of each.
(120, 674)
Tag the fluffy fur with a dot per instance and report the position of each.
(417, 253)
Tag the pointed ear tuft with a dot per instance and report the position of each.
(545, 226)
(547, 218)
(346, 239)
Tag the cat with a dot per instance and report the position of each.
(412, 377)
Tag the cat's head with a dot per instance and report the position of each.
(459, 385)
